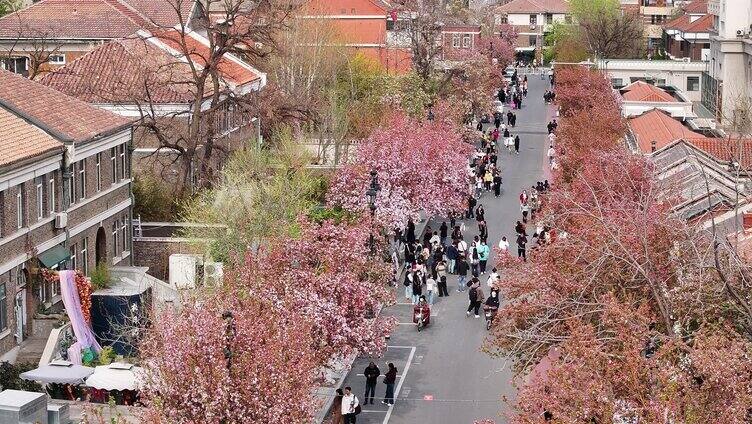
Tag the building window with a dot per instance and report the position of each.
(115, 231)
(456, 41)
(549, 18)
(85, 256)
(20, 209)
(82, 179)
(502, 19)
(72, 260)
(124, 233)
(40, 198)
(567, 19)
(99, 172)
(72, 185)
(51, 195)
(3, 308)
(532, 40)
(17, 65)
(113, 164)
(123, 174)
(466, 41)
(693, 83)
(533, 19)
(57, 59)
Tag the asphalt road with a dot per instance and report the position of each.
(443, 377)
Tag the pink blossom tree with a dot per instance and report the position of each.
(268, 376)
(421, 166)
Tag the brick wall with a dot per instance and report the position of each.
(155, 254)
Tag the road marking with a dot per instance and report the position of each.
(363, 375)
(378, 411)
(399, 384)
(427, 397)
(399, 347)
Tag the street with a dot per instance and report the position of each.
(443, 377)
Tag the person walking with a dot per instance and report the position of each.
(410, 231)
(480, 213)
(430, 289)
(474, 258)
(497, 184)
(389, 379)
(521, 242)
(417, 286)
(337, 417)
(551, 153)
(525, 209)
(483, 252)
(350, 405)
(504, 244)
(462, 269)
(517, 144)
(443, 232)
(372, 373)
(451, 254)
(441, 274)
(471, 202)
(474, 295)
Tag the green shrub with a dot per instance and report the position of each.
(100, 276)
(154, 200)
(9, 377)
(106, 355)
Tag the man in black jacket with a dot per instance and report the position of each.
(372, 373)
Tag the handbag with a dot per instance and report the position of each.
(358, 410)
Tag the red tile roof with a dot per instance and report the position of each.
(62, 116)
(657, 125)
(21, 140)
(739, 150)
(91, 19)
(535, 6)
(119, 72)
(696, 7)
(640, 91)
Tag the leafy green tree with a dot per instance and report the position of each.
(8, 6)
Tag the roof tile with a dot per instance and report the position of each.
(21, 140)
(535, 6)
(656, 125)
(640, 91)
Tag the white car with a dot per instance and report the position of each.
(498, 107)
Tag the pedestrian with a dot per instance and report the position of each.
(451, 255)
(475, 258)
(521, 242)
(441, 274)
(483, 252)
(417, 289)
(497, 120)
(431, 287)
(514, 119)
(504, 244)
(372, 373)
(337, 417)
(509, 120)
(525, 209)
(483, 230)
(517, 144)
(497, 184)
(462, 268)
(523, 197)
(462, 247)
(475, 295)
(410, 231)
(488, 179)
(480, 213)
(493, 278)
(443, 230)
(408, 283)
(471, 202)
(389, 379)
(350, 405)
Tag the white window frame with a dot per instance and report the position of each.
(51, 195)
(53, 59)
(82, 179)
(124, 234)
(72, 185)
(467, 40)
(20, 207)
(113, 162)
(73, 261)
(3, 307)
(115, 231)
(99, 171)
(456, 41)
(533, 19)
(85, 256)
(40, 198)
(122, 162)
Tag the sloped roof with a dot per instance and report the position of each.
(144, 68)
(683, 24)
(739, 150)
(657, 125)
(58, 114)
(640, 91)
(91, 19)
(534, 6)
(20, 140)
(696, 7)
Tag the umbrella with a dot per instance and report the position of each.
(115, 377)
(59, 372)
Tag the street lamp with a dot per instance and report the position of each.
(371, 193)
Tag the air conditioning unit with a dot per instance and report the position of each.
(61, 220)
(533, 26)
(686, 59)
(258, 45)
(213, 273)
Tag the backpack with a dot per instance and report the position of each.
(358, 410)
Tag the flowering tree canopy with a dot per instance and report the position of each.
(267, 379)
(643, 328)
(421, 166)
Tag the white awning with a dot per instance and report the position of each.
(59, 372)
(115, 377)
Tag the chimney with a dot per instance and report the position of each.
(652, 146)
(747, 220)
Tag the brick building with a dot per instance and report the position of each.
(65, 196)
(688, 36)
(532, 19)
(146, 75)
(53, 33)
(457, 41)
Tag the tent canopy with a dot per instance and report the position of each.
(59, 372)
(115, 377)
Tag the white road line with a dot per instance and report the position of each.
(399, 347)
(399, 385)
(363, 375)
